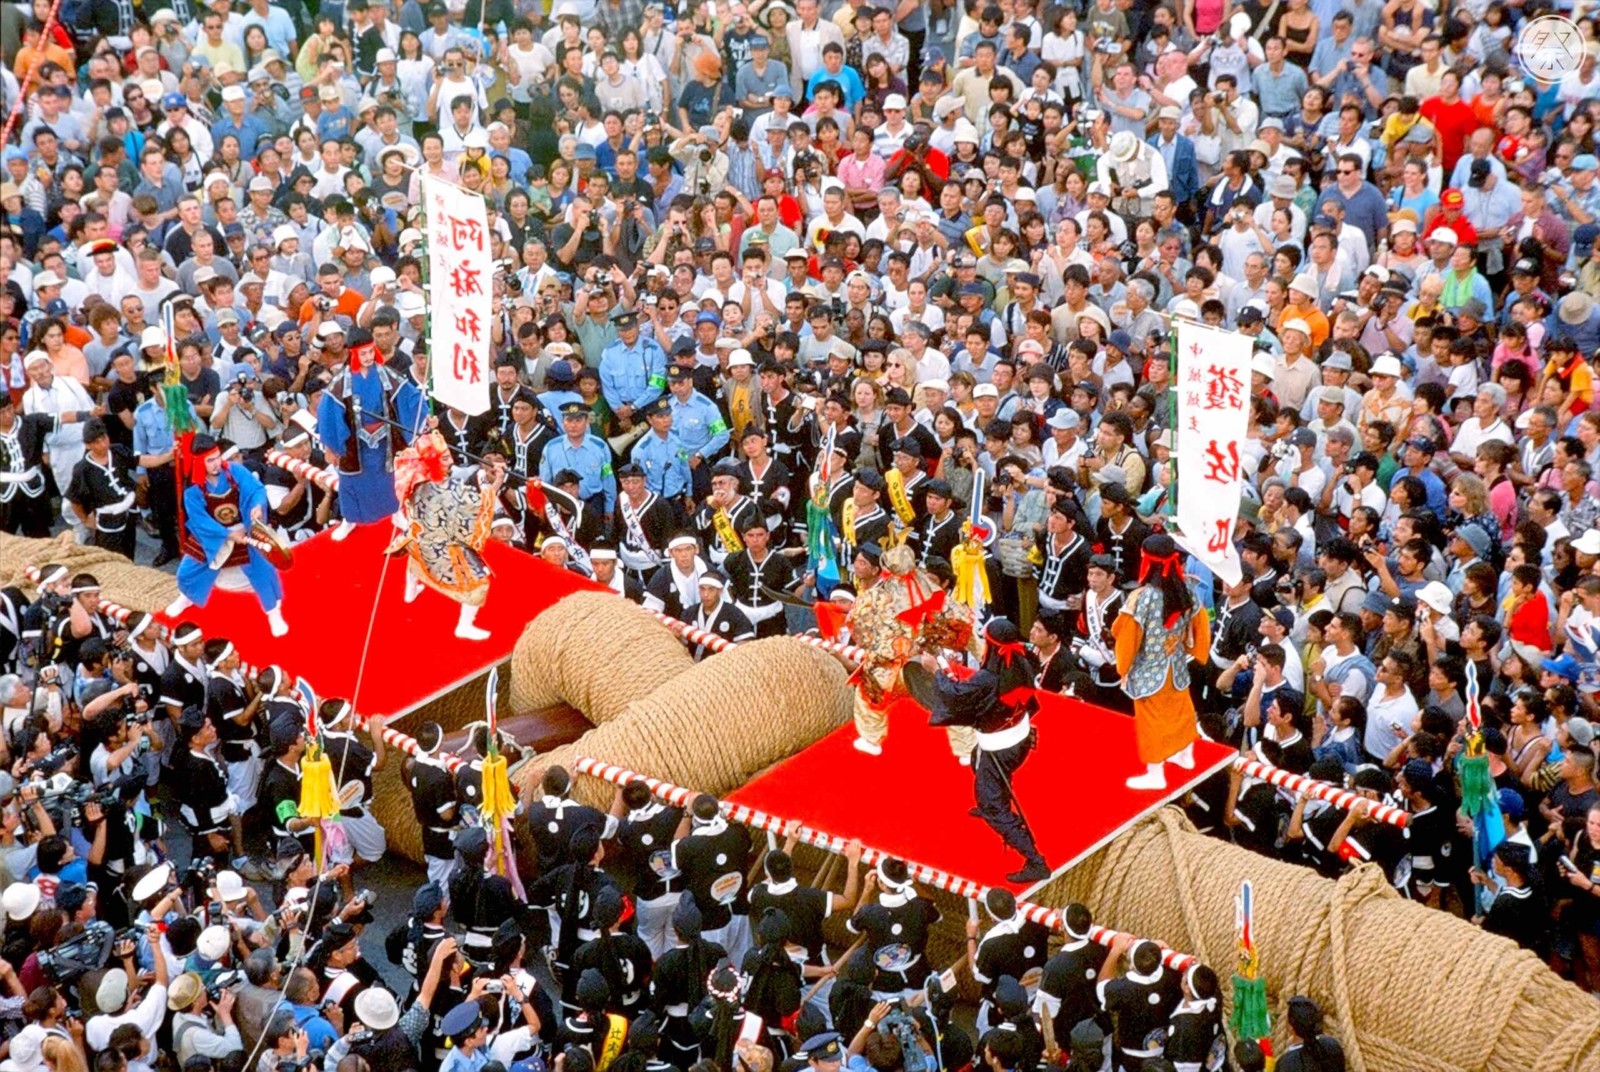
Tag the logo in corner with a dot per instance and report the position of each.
(1549, 48)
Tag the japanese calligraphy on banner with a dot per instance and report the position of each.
(1213, 385)
(461, 285)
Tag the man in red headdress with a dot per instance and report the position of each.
(220, 506)
(1162, 626)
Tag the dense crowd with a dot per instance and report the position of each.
(779, 288)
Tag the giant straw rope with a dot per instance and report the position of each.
(1409, 989)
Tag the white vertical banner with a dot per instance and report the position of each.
(1213, 386)
(460, 292)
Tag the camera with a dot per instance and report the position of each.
(367, 897)
(900, 1024)
(223, 981)
(322, 303)
(71, 960)
(246, 393)
(56, 758)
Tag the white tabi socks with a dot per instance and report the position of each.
(464, 627)
(1185, 758)
(275, 621)
(178, 606)
(1153, 778)
(343, 530)
(413, 588)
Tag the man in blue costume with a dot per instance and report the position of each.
(221, 505)
(354, 424)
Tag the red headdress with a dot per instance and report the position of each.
(426, 461)
(1162, 558)
(200, 448)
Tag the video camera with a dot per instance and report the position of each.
(69, 961)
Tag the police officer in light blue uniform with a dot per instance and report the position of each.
(662, 456)
(584, 453)
(699, 426)
(633, 370)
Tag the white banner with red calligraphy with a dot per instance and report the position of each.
(1213, 385)
(461, 289)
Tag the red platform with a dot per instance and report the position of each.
(332, 593)
(912, 801)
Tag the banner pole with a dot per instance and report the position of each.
(427, 285)
(1172, 421)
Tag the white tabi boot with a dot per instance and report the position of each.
(275, 621)
(343, 530)
(464, 627)
(1185, 758)
(413, 587)
(178, 606)
(1152, 778)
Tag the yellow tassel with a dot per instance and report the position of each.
(318, 799)
(972, 580)
(498, 800)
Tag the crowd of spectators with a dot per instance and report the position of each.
(778, 287)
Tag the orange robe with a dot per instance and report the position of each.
(1163, 724)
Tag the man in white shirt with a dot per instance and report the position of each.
(112, 998)
(1484, 425)
(1390, 709)
(1065, 445)
(64, 398)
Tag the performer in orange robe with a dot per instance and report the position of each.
(1162, 626)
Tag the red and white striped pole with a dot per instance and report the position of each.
(326, 479)
(1339, 798)
(759, 820)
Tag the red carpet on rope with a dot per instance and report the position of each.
(912, 801)
(331, 593)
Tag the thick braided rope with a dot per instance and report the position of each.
(1407, 987)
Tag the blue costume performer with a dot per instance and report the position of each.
(224, 539)
(353, 422)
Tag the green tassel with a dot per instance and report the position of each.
(176, 396)
(1250, 1020)
(1477, 785)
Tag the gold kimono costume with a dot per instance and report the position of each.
(1154, 663)
(447, 522)
(876, 624)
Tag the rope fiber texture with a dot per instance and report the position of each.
(137, 587)
(1408, 988)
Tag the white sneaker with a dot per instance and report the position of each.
(464, 627)
(1185, 758)
(343, 530)
(864, 745)
(275, 621)
(1152, 778)
(178, 606)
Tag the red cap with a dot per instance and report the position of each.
(1451, 198)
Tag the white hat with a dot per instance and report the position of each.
(213, 942)
(1296, 325)
(1185, 308)
(1101, 188)
(740, 357)
(329, 328)
(350, 238)
(1123, 145)
(1447, 235)
(157, 879)
(385, 55)
(986, 390)
(1378, 272)
(152, 336)
(112, 993)
(477, 138)
(409, 303)
(36, 355)
(1588, 543)
(381, 276)
(282, 233)
(1436, 595)
(376, 1008)
(1263, 363)
(410, 234)
(47, 278)
(1403, 224)
(895, 101)
(20, 900)
(1093, 312)
(942, 386)
(1306, 284)
(27, 1050)
(947, 106)
(1024, 193)
(232, 93)
(204, 274)
(229, 887)
(1387, 365)
(964, 131)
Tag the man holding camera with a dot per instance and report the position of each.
(194, 1031)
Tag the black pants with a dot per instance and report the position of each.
(163, 503)
(991, 785)
(27, 516)
(122, 541)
